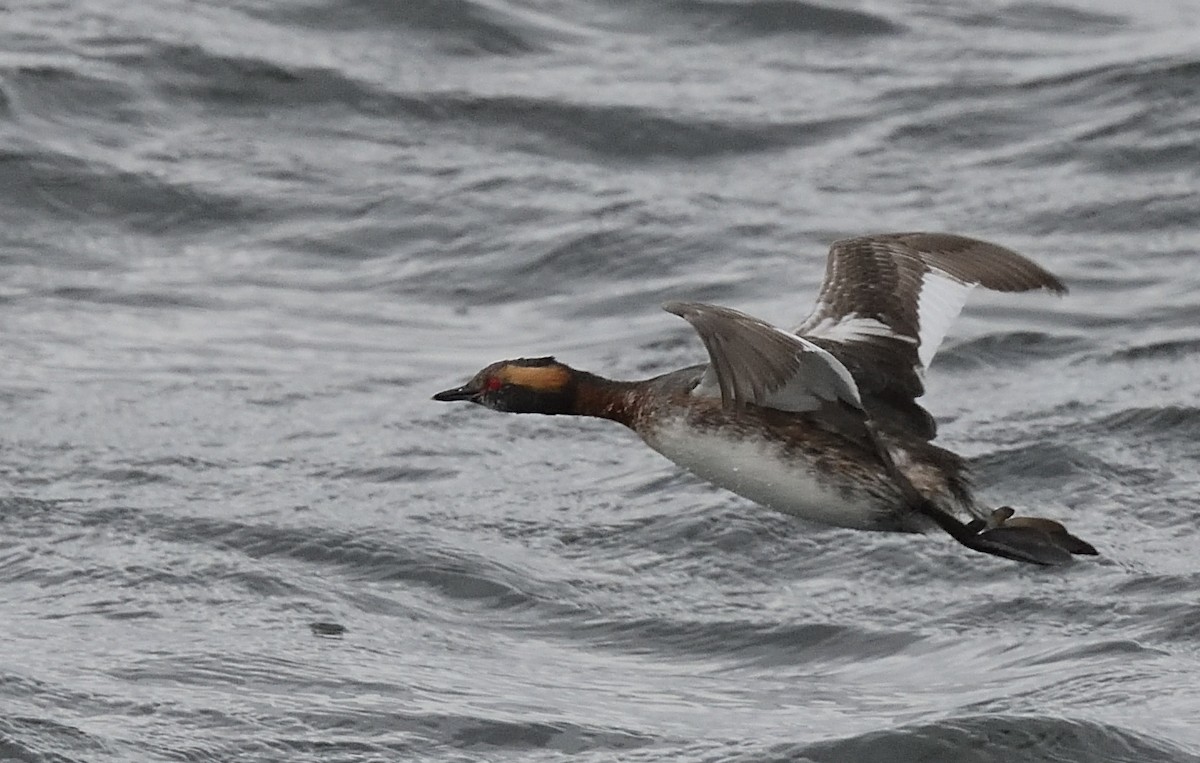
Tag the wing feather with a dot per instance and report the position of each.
(751, 361)
(888, 300)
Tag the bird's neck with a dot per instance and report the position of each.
(593, 395)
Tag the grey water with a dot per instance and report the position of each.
(242, 243)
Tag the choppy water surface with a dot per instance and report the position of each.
(241, 244)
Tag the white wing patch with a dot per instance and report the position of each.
(827, 374)
(852, 328)
(939, 302)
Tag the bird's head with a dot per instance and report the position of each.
(524, 385)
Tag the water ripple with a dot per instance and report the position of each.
(241, 244)
(459, 27)
(773, 17)
(998, 738)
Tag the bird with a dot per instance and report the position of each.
(821, 421)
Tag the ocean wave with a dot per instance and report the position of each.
(1151, 79)
(1156, 212)
(618, 131)
(744, 643)
(1040, 17)
(1126, 131)
(775, 17)
(70, 95)
(144, 299)
(227, 81)
(1170, 349)
(453, 573)
(988, 739)
(457, 27)
(1152, 422)
(6, 101)
(1012, 349)
(1044, 461)
(393, 473)
(563, 737)
(609, 130)
(32, 738)
(85, 188)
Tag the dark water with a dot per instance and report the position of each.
(242, 243)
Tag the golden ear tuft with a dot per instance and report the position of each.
(549, 378)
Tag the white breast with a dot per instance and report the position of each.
(761, 470)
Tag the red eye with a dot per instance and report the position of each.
(493, 384)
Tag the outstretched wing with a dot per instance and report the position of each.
(751, 361)
(887, 302)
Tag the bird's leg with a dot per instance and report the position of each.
(1020, 542)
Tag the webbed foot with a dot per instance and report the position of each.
(1023, 539)
(1024, 544)
(1003, 517)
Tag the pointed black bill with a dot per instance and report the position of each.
(458, 393)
